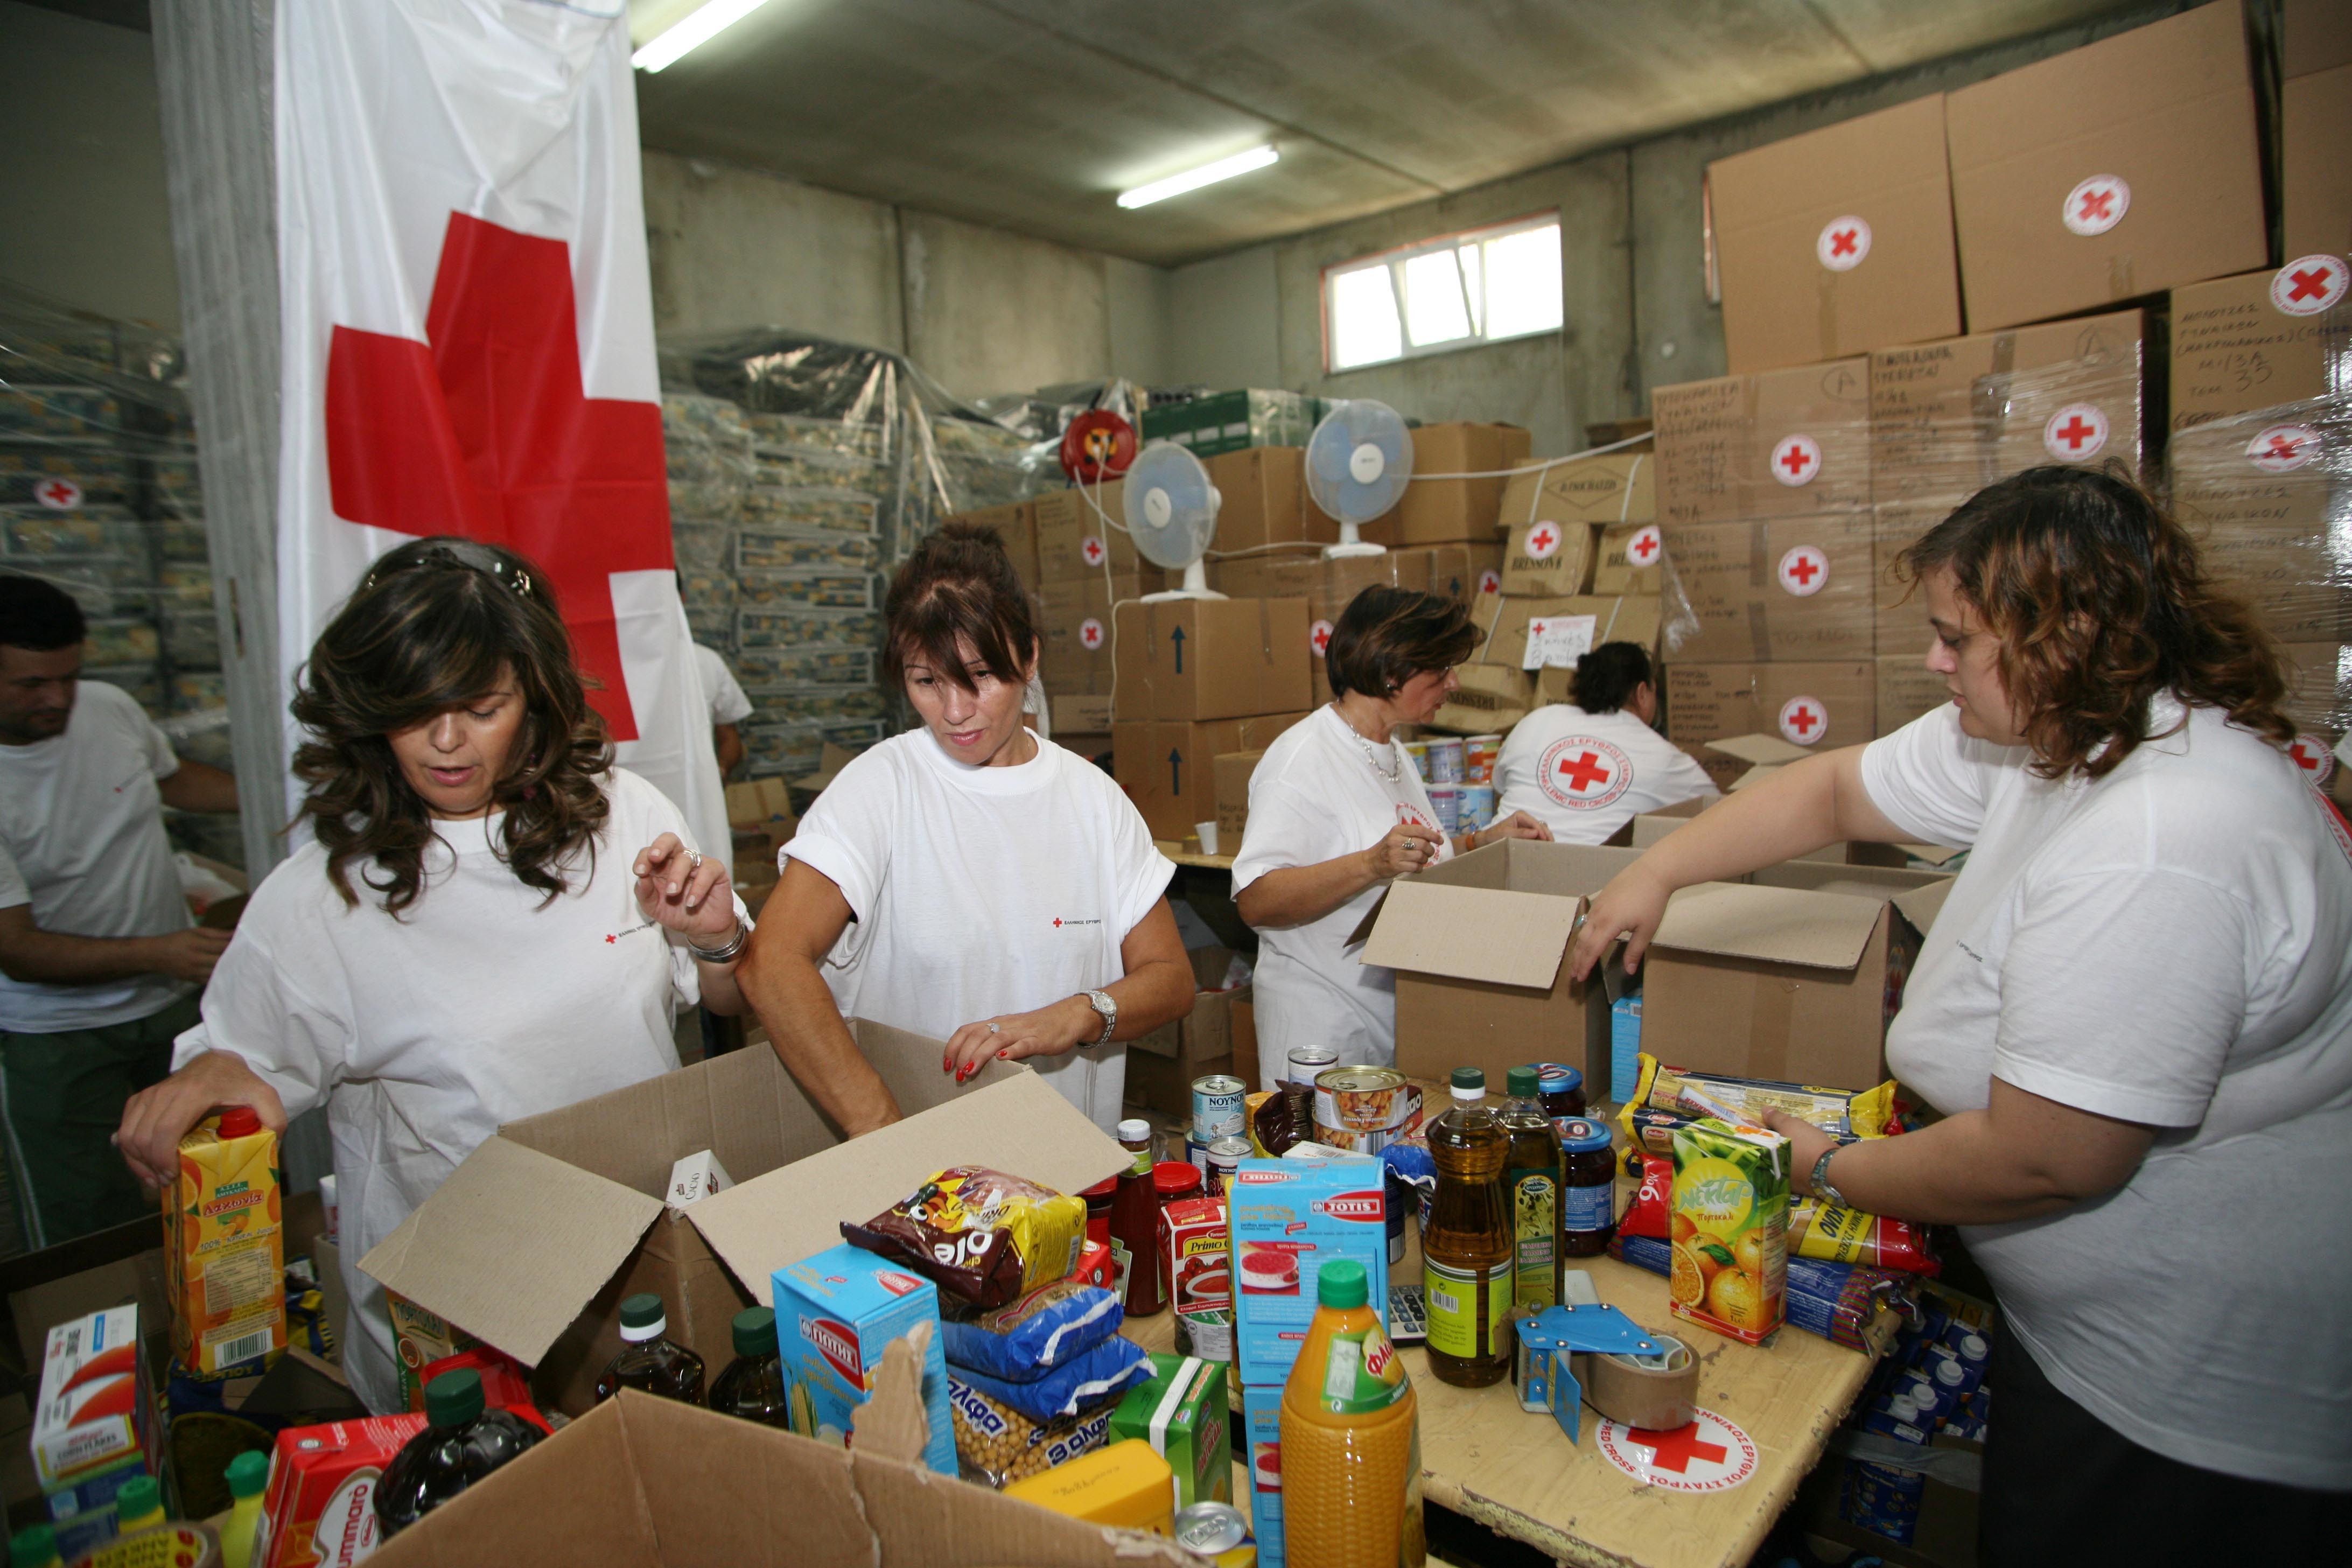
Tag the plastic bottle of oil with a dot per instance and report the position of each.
(1467, 1254)
(1351, 1439)
(1531, 1175)
(648, 1361)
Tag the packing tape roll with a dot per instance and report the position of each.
(1654, 1399)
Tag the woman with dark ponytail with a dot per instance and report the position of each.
(1587, 768)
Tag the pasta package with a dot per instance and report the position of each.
(1663, 1091)
(981, 1236)
(1050, 1325)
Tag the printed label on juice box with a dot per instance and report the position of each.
(1731, 1260)
(227, 1260)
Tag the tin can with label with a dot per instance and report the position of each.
(1446, 799)
(1210, 1528)
(1478, 753)
(1476, 808)
(1220, 1160)
(1218, 1110)
(1445, 762)
(1419, 751)
(1363, 1108)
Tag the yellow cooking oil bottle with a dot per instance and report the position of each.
(225, 1246)
(1351, 1439)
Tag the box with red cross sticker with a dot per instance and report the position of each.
(1818, 704)
(1781, 443)
(2263, 494)
(2314, 178)
(1794, 589)
(2260, 339)
(1076, 538)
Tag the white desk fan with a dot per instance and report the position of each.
(1359, 461)
(1171, 513)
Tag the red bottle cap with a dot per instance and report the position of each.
(1105, 1190)
(1176, 1179)
(239, 1121)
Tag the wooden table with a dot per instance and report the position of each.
(1175, 850)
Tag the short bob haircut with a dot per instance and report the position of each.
(1387, 636)
(1607, 677)
(958, 586)
(2100, 603)
(435, 624)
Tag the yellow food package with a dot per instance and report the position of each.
(1729, 1268)
(225, 1247)
(1842, 1112)
(981, 1236)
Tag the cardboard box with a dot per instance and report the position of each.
(1328, 586)
(1206, 1034)
(1908, 689)
(1781, 443)
(1822, 705)
(1632, 559)
(2123, 167)
(2315, 186)
(1287, 1219)
(1491, 698)
(1074, 626)
(1082, 715)
(2269, 526)
(1547, 557)
(1901, 606)
(1233, 771)
(1074, 540)
(1790, 975)
(2235, 350)
(2319, 688)
(1166, 768)
(643, 1482)
(1446, 511)
(1478, 944)
(1600, 492)
(1197, 660)
(1016, 524)
(1580, 622)
(1948, 418)
(1263, 491)
(1837, 241)
(534, 1239)
(1797, 588)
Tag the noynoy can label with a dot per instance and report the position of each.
(1218, 1107)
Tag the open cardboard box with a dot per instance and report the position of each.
(534, 1239)
(1652, 825)
(1479, 945)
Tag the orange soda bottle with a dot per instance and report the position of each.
(1351, 1439)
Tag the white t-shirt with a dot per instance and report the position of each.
(1585, 775)
(728, 703)
(82, 840)
(983, 891)
(2171, 945)
(421, 1035)
(1318, 794)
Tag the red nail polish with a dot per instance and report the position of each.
(1005, 1054)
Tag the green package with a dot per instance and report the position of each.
(1182, 1412)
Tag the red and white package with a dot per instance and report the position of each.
(505, 1384)
(319, 1509)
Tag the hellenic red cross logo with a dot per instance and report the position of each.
(1585, 773)
(1796, 461)
(1804, 571)
(2283, 448)
(1090, 633)
(484, 429)
(2096, 205)
(1675, 1450)
(1801, 719)
(1093, 549)
(1842, 243)
(2309, 285)
(1643, 546)
(2312, 755)
(2076, 431)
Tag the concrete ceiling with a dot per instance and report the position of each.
(1032, 115)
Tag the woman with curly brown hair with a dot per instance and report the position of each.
(2134, 1012)
(488, 920)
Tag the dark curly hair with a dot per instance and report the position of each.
(2100, 601)
(438, 623)
(1607, 677)
(1387, 636)
(959, 585)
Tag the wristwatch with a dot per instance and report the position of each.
(1105, 1003)
(1819, 1180)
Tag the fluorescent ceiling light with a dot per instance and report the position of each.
(1193, 180)
(715, 18)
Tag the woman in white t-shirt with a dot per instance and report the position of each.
(1588, 768)
(2134, 1014)
(967, 881)
(1337, 812)
(488, 920)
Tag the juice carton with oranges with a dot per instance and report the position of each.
(1730, 1258)
(225, 1247)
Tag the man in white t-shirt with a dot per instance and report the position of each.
(1589, 767)
(99, 963)
(728, 708)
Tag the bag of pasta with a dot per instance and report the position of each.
(981, 1236)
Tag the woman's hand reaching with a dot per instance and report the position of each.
(685, 892)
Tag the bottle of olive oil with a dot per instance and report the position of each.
(1466, 1252)
(1531, 1175)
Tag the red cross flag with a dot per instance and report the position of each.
(1804, 720)
(2096, 205)
(469, 342)
(1805, 571)
(1843, 244)
(57, 495)
(2076, 433)
(2283, 448)
(1796, 459)
(2309, 285)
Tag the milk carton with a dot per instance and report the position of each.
(1287, 1219)
(834, 1312)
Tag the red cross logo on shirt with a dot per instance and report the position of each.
(1057, 923)
(1542, 543)
(2283, 448)
(484, 429)
(2312, 755)
(1583, 772)
(1796, 461)
(2309, 285)
(2076, 431)
(2096, 205)
(1802, 720)
(1093, 549)
(1318, 637)
(59, 495)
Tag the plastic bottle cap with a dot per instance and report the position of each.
(755, 1331)
(248, 1473)
(1951, 1373)
(1342, 1283)
(34, 1546)
(1973, 1346)
(1469, 1083)
(140, 1496)
(1134, 1129)
(1579, 1136)
(1904, 1408)
(239, 1121)
(642, 1317)
(454, 1398)
(1106, 1188)
(1520, 1082)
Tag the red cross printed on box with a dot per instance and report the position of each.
(2075, 432)
(1804, 571)
(484, 429)
(1843, 244)
(1090, 634)
(1543, 542)
(57, 495)
(1645, 548)
(1583, 772)
(1710, 1454)
(1094, 549)
(1804, 720)
(2309, 284)
(2312, 755)
(1318, 637)
(1796, 459)
(1490, 581)
(2096, 205)
(2283, 448)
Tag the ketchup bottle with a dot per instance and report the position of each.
(1134, 1225)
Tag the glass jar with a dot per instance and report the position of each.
(1588, 1188)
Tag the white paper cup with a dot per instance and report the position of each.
(1208, 832)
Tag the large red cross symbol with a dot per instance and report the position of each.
(1677, 1448)
(1319, 636)
(1093, 549)
(2095, 205)
(2075, 432)
(1645, 545)
(2311, 284)
(1585, 773)
(484, 429)
(2282, 448)
(1803, 570)
(1541, 539)
(61, 494)
(1842, 242)
(1794, 459)
(1804, 719)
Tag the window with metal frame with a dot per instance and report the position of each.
(1455, 291)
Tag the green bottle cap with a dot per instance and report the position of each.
(1471, 1078)
(140, 1496)
(248, 1473)
(34, 1546)
(755, 1331)
(642, 1310)
(1342, 1283)
(454, 1398)
(1520, 1082)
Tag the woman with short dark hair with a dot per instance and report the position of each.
(1337, 812)
(967, 881)
(488, 921)
(2133, 1012)
(1588, 767)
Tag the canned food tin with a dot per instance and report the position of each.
(1362, 1098)
(1476, 809)
(1446, 799)
(1197, 1152)
(1217, 1107)
(1355, 1140)
(1221, 1159)
(1445, 762)
(1419, 751)
(1478, 753)
(1209, 1528)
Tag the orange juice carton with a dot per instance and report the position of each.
(421, 1338)
(94, 1426)
(225, 1247)
(1729, 1268)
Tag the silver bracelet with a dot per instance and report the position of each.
(729, 952)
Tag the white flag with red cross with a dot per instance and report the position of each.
(468, 336)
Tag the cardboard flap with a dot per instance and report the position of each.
(1765, 751)
(1022, 1125)
(512, 1245)
(1922, 905)
(893, 1422)
(1773, 925)
(1472, 933)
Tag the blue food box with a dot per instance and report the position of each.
(1624, 1042)
(1262, 1428)
(834, 1313)
(1287, 1219)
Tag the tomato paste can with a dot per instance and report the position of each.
(1218, 1108)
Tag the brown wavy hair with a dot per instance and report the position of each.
(435, 624)
(2100, 601)
(1387, 636)
(958, 583)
